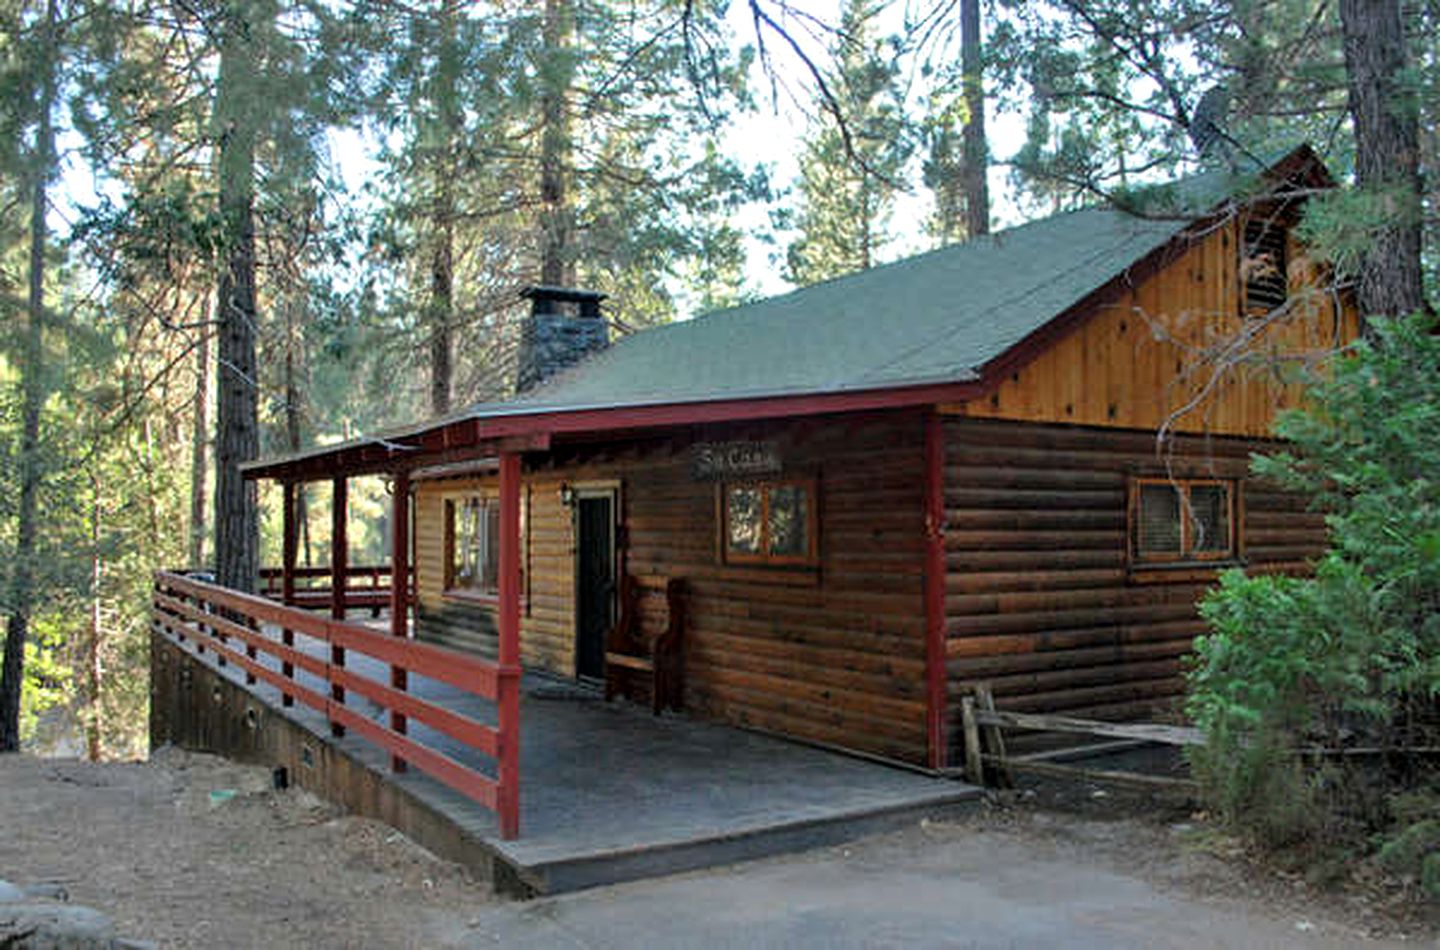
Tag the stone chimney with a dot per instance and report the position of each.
(552, 338)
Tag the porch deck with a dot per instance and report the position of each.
(612, 793)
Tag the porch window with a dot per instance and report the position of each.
(1182, 520)
(472, 537)
(771, 522)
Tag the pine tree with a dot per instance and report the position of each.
(851, 167)
(239, 101)
(40, 171)
(1385, 110)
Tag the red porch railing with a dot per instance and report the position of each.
(366, 587)
(214, 617)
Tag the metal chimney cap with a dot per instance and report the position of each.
(562, 294)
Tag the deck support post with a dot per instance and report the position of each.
(936, 676)
(509, 699)
(339, 568)
(399, 592)
(289, 545)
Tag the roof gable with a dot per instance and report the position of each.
(938, 317)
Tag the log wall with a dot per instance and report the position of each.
(834, 654)
(1040, 600)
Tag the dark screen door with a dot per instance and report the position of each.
(595, 580)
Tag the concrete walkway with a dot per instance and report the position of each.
(966, 888)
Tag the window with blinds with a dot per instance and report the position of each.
(1175, 521)
(1264, 266)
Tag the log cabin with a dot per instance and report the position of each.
(1020, 460)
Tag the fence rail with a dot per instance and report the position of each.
(366, 586)
(218, 620)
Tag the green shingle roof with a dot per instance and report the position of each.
(933, 318)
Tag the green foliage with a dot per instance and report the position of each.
(849, 178)
(48, 677)
(1350, 655)
(1415, 848)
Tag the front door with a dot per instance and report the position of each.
(594, 581)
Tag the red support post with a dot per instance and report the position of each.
(289, 544)
(935, 653)
(509, 698)
(399, 592)
(339, 567)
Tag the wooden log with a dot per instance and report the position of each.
(974, 764)
(1004, 664)
(1104, 597)
(958, 518)
(1072, 700)
(1046, 640)
(1120, 616)
(967, 561)
(1149, 732)
(980, 435)
(1103, 776)
(1043, 476)
(1034, 499)
(1033, 540)
(994, 739)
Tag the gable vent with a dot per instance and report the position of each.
(1264, 266)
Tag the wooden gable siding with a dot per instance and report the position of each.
(1137, 360)
(833, 655)
(1039, 601)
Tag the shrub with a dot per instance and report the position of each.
(1351, 655)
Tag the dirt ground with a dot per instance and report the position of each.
(164, 849)
(191, 850)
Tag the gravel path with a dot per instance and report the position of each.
(190, 850)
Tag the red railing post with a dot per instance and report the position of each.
(185, 608)
(339, 562)
(508, 770)
(290, 542)
(399, 593)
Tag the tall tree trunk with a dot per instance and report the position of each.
(973, 147)
(557, 259)
(22, 597)
(295, 411)
(442, 296)
(237, 436)
(200, 442)
(441, 311)
(1385, 112)
(94, 721)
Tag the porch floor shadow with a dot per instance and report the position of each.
(610, 793)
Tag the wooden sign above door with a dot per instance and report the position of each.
(714, 461)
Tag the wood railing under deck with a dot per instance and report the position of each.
(218, 619)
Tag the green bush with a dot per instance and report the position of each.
(1414, 846)
(1351, 655)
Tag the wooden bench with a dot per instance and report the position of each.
(632, 653)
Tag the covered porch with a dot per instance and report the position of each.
(606, 792)
(840, 648)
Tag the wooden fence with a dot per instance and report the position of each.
(218, 619)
